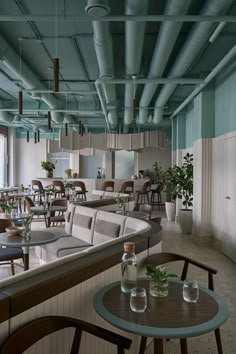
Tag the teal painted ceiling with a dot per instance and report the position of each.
(34, 32)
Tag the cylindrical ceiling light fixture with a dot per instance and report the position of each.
(27, 136)
(20, 102)
(66, 128)
(80, 127)
(38, 136)
(56, 74)
(49, 120)
(35, 137)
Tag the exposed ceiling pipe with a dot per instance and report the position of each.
(11, 59)
(220, 66)
(6, 117)
(134, 38)
(156, 80)
(104, 52)
(164, 45)
(190, 49)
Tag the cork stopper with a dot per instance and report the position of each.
(129, 246)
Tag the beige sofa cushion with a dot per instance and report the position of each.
(107, 226)
(64, 246)
(83, 223)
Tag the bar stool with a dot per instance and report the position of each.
(144, 193)
(127, 187)
(108, 186)
(157, 200)
(82, 191)
(60, 188)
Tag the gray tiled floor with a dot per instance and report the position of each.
(225, 285)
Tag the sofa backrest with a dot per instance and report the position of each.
(108, 226)
(83, 223)
(69, 215)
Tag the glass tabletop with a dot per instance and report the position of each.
(38, 237)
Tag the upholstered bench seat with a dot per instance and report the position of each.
(64, 246)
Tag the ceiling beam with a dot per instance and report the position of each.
(176, 80)
(121, 18)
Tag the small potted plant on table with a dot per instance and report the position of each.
(158, 280)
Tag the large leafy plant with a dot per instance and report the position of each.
(184, 180)
(157, 176)
(7, 205)
(171, 184)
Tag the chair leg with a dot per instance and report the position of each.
(158, 346)
(12, 268)
(183, 346)
(218, 341)
(142, 346)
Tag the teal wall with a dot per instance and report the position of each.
(189, 121)
(225, 105)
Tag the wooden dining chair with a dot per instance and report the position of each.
(24, 337)
(81, 192)
(55, 217)
(39, 213)
(165, 257)
(60, 192)
(108, 186)
(143, 194)
(9, 254)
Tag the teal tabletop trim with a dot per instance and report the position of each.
(182, 332)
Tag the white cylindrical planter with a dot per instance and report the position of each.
(170, 210)
(185, 219)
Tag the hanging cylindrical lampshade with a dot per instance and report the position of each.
(134, 109)
(20, 102)
(82, 129)
(27, 136)
(49, 120)
(56, 74)
(38, 136)
(66, 128)
(35, 137)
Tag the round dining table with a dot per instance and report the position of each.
(165, 317)
(37, 238)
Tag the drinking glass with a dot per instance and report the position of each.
(190, 291)
(138, 300)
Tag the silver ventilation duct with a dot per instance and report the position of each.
(164, 45)
(195, 41)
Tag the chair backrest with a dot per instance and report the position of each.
(29, 203)
(127, 186)
(146, 187)
(59, 202)
(164, 257)
(108, 186)
(80, 184)
(30, 333)
(5, 223)
(37, 185)
(60, 186)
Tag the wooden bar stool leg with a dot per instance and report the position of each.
(183, 346)
(158, 346)
(218, 341)
(142, 346)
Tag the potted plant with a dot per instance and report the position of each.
(27, 226)
(121, 201)
(157, 176)
(7, 206)
(49, 167)
(184, 177)
(158, 280)
(171, 192)
(68, 172)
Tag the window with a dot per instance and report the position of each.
(3, 156)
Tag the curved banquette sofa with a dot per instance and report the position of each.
(85, 258)
(87, 228)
